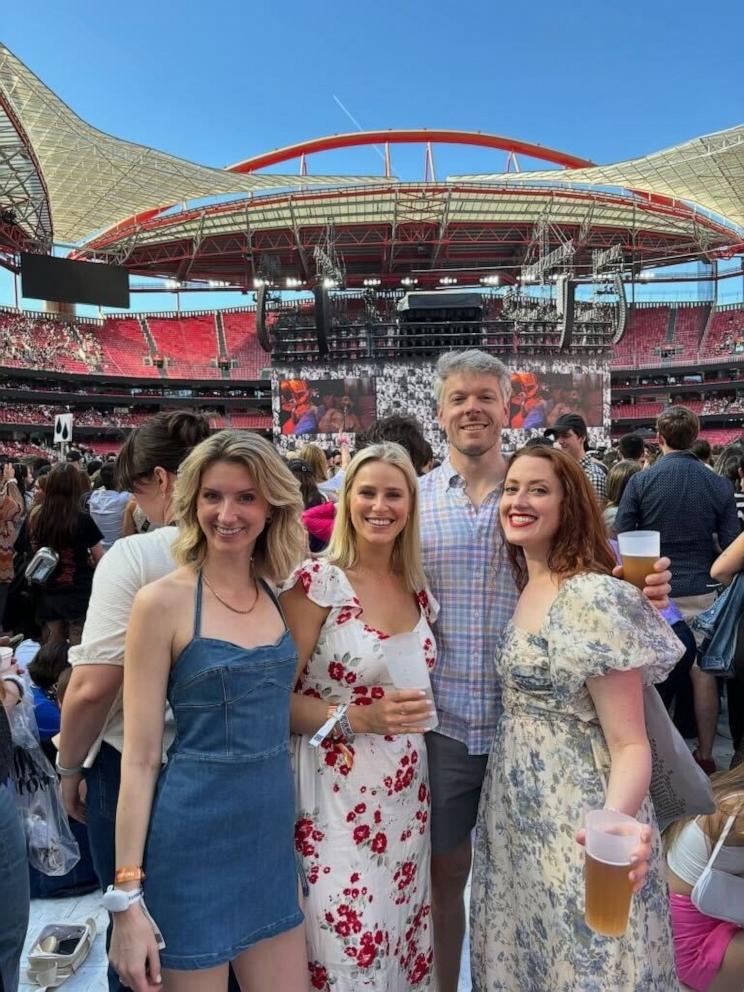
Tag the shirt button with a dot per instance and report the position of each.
(476, 614)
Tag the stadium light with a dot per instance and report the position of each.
(372, 282)
(409, 281)
(448, 281)
(329, 284)
(490, 280)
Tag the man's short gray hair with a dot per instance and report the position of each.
(473, 362)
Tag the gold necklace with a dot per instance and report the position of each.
(243, 613)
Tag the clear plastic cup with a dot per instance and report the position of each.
(6, 658)
(406, 662)
(639, 550)
(611, 838)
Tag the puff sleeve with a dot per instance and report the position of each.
(599, 623)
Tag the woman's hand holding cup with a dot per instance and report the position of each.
(400, 711)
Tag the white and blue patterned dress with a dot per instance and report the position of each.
(548, 764)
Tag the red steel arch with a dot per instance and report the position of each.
(359, 138)
(355, 139)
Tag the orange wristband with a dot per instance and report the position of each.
(129, 875)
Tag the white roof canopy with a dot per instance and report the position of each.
(707, 171)
(92, 179)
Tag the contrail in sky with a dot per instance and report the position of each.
(357, 125)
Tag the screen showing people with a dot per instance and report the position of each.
(326, 406)
(539, 398)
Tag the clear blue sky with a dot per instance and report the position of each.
(216, 82)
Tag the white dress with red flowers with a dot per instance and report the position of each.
(362, 830)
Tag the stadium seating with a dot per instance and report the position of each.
(635, 411)
(125, 348)
(254, 420)
(688, 330)
(242, 345)
(645, 332)
(188, 345)
(726, 333)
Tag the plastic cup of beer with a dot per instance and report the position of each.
(639, 550)
(6, 658)
(406, 662)
(611, 838)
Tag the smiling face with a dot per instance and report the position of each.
(229, 508)
(379, 503)
(472, 412)
(530, 507)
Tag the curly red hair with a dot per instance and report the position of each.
(580, 543)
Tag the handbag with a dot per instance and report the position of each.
(50, 843)
(679, 787)
(41, 567)
(719, 627)
(58, 951)
(718, 893)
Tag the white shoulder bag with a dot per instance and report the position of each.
(718, 893)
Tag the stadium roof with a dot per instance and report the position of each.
(65, 180)
(707, 172)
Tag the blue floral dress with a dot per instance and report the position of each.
(548, 764)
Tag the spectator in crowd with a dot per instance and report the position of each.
(92, 726)
(312, 498)
(45, 669)
(701, 450)
(730, 464)
(630, 447)
(12, 509)
(617, 480)
(14, 881)
(709, 951)
(107, 506)
(692, 508)
(341, 609)
(239, 513)
(25, 481)
(570, 433)
(312, 455)
(59, 523)
(572, 664)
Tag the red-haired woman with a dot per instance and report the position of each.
(572, 665)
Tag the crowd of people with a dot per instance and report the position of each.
(33, 342)
(334, 811)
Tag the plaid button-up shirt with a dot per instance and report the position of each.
(595, 475)
(465, 562)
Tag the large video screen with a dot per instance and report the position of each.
(326, 406)
(44, 277)
(539, 398)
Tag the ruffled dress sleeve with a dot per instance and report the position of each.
(598, 624)
(326, 586)
(428, 605)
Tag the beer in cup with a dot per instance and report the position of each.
(639, 550)
(406, 662)
(611, 838)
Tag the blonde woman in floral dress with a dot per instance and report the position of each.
(572, 737)
(362, 795)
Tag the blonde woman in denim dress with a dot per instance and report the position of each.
(213, 832)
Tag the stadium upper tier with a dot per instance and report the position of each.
(223, 345)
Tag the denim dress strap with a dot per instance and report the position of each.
(198, 605)
(275, 600)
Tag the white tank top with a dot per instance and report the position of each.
(691, 851)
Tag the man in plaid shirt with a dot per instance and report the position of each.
(465, 562)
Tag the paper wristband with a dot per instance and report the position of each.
(324, 730)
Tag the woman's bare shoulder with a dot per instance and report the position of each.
(169, 591)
